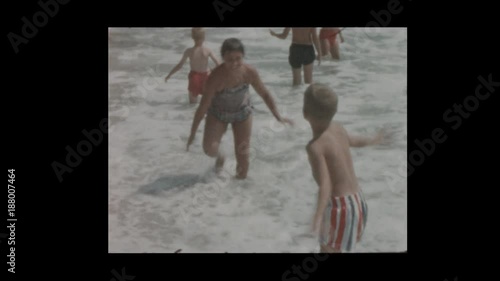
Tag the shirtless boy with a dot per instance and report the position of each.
(198, 58)
(341, 213)
(302, 52)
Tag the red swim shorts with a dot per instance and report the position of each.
(330, 35)
(197, 81)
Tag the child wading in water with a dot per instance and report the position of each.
(198, 59)
(226, 99)
(341, 213)
(302, 52)
(329, 42)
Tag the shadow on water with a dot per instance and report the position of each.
(170, 182)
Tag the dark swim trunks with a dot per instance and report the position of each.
(301, 54)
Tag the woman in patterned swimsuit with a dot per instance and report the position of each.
(226, 99)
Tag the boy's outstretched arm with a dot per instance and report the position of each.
(321, 176)
(359, 141)
(266, 96)
(179, 65)
(283, 35)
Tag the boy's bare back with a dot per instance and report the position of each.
(333, 149)
(303, 35)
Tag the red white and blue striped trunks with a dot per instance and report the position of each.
(344, 222)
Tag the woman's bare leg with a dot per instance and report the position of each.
(214, 130)
(242, 131)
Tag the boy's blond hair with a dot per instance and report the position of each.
(198, 33)
(320, 102)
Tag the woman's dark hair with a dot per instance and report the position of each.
(232, 44)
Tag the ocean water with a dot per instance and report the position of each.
(162, 198)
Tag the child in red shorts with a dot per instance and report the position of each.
(198, 58)
(329, 42)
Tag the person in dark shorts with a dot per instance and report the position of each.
(302, 53)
